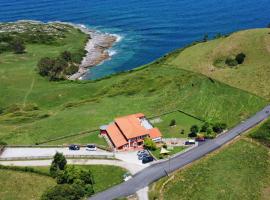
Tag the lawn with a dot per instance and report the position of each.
(239, 171)
(30, 186)
(105, 176)
(22, 185)
(252, 75)
(87, 138)
(37, 110)
(262, 133)
(183, 122)
(173, 150)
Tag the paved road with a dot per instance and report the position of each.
(156, 171)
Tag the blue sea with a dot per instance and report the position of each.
(148, 28)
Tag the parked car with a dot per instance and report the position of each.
(190, 142)
(147, 159)
(74, 147)
(127, 176)
(200, 139)
(141, 156)
(141, 152)
(91, 147)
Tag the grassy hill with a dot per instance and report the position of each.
(239, 171)
(35, 110)
(30, 186)
(252, 75)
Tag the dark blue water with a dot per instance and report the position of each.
(149, 28)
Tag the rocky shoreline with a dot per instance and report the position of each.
(97, 51)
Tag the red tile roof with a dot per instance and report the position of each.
(154, 133)
(127, 127)
(116, 136)
(130, 126)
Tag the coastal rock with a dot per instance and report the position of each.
(97, 51)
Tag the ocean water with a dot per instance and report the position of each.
(148, 29)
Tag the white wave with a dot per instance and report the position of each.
(112, 52)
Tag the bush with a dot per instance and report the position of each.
(64, 192)
(2, 143)
(173, 122)
(268, 26)
(231, 62)
(240, 58)
(204, 127)
(150, 144)
(24, 169)
(18, 46)
(219, 127)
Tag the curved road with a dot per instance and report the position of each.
(159, 170)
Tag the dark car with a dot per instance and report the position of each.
(147, 159)
(143, 155)
(74, 147)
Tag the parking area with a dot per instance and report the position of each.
(49, 152)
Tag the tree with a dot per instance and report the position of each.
(268, 26)
(18, 46)
(219, 127)
(204, 127)
(182, 131)
(173, 122)
(240, 58)
(59, 162)
(193, 131)
(149, 144)
(45, 65)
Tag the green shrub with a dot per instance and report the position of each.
(64, 192)
(240, 58)
(231, 62)
(173, 122)
(150, 144)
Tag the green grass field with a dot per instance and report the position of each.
(252, 75)
(23, 185)
(262, 134)
(30, 186)
(40, 110)
(183, 122)
(93, 137)
(239, 171)
(105, 176)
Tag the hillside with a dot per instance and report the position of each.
(35, 109)
(240, 170)
(208, 58)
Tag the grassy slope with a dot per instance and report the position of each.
(74, 107)
(252, 76)
(22, 185)
(183, 122)
(104, 178)
(262, 134)
(240, 171)
(30, 186)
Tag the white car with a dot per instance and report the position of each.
(127, 176)
(91, 147)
